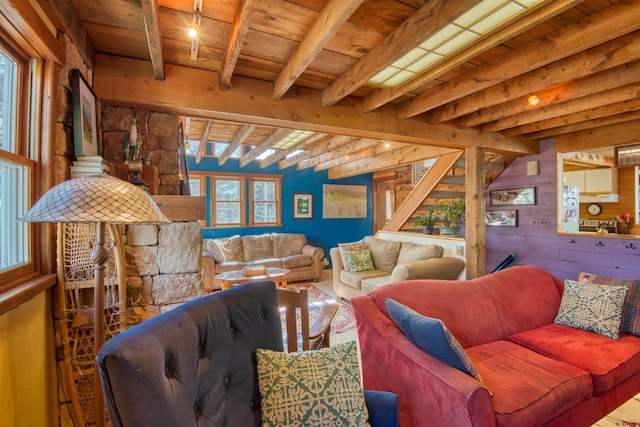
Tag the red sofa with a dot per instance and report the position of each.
(539, 373)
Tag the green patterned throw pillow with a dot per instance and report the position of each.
(358, 260)
(596, 308)
(312, 388)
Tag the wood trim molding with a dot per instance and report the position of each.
(18, 294)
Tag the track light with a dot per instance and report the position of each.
(193, 31)
(533, 100)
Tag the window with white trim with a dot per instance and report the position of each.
(264, 201)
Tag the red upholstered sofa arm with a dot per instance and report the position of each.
(439, 394)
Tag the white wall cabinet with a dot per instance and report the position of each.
(594, 181)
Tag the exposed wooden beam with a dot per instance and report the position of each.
(268, 142)
(333, 15)
(383, 95)
(202, 147)
(349, 148)
(421, 191)
(129, 82)
(588, 159)
(371, 152)
(611, 22)
(611, 96)
(584, 87)
(151, 12)
(392, 159)
(585, 125)
(236, 41)
(475, 235)
(605, 136)
(318, 149)
(609, 110)
(238, 139)
(276, 157)
(426, 21)
(599, 58)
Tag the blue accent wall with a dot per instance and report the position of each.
(325, 233)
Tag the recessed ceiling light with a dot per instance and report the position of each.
(533, 100)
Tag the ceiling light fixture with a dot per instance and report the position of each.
(193, 29)
(533, 100)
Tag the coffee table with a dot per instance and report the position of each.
(236, 277)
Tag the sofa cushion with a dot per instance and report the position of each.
(631, 312)
(320, 387)
(528, 388)
(229, 249)
(383, 252)
(230, 266)
(591, 307)
(296, 261)
(372, 284)
(353, 246)
(410, 252)
(257, 247)
(286, 244)
(358, 260)
(432, 336)
(609, 362)
(355, 278)
(212, 249)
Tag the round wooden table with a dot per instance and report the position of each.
(236, 277)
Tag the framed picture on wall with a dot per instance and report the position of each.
(501, 218)
(515, 196)
(85, 128)
(302, 206)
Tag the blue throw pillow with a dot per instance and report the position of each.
(432, 336)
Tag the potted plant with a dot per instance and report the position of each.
(452, 212)
(427, 221)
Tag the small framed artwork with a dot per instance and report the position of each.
(501, 218)
(302, 206)
(516, 196)
(85, 128)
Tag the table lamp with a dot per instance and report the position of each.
(98, 199)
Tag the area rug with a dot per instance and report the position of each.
(343, 320)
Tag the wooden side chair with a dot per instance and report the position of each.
(310, 337)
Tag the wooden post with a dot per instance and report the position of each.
(475, 211)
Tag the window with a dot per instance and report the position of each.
(264, 203)
(238, 200)
(228, 201)
(15, 168)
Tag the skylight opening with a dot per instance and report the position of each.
(293, 139)
(483, 18)
(266, 154)
(294, 153)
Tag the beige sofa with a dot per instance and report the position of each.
(393, 261)
(281, 250)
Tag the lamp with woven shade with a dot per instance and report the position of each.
(98, 199)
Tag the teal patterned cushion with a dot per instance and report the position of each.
(592, 307)
(312, 388)
(359, 260)
(631, 312)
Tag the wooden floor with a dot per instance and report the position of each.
(627, 415)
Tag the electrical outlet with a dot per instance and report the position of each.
(459, 250)
(533, 222)
(543, 222)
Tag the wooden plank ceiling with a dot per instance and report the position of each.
(276, 66)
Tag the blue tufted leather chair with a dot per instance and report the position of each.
(195, 365)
